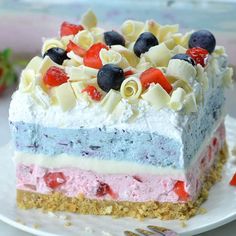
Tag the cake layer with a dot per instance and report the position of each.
(122, 187)
(105, 143)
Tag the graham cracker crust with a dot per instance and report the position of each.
(151, 209)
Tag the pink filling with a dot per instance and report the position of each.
(121, 187)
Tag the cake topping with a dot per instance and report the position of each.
(109, 77)
(233, 180)
(185, 57)
(70, 29)
(114, 38)
(144, 42)
(58, 55)
(203, 39)
(78, 50)
(199, 55)
(93, 92)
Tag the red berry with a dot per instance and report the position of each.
(55, 179)
(91, 58)
(233, 180)
(70, 29)
(128, 73)
(93, 92)
(153, 75)
(179, 189)
(55, 76)
(199, 55)
(71, 46)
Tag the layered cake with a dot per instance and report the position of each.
(127, 123)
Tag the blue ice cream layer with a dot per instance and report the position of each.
(134, 146)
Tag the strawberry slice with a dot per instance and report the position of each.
(91, 58)
(71, 46)
(54, 179)
(93, 92)
(128, 73)
(70, 29)
(153, 75)
(179, 189)
(55, 76)
(104, 189)
(199, 55)
(233, 180)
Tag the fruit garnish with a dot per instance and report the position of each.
(110, 76)
(58, 55)
(55, 76)
(199, 55)
(70, 29)
(144, 42)
(113, 38)
(184, 57)
(233, 180)
(202, 39)
(92, 58)
(93, 92)
(71, 46)
(128, 73)
(179, 189)
(7, 73)
(54, 179)
(153, 75)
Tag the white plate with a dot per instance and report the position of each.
(221, 207)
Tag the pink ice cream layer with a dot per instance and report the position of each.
(122, 187)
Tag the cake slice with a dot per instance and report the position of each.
(122, 124)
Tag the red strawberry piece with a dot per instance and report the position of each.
(103, 189)
(199, 55)
(54, 179)
(179, 189)
(233, 180)
(55, 76)
(153, 75)
(128, 73)
(93, 92)
(71, 46)
(91, 58)
(70, 29)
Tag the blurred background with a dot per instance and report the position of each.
(23, 24)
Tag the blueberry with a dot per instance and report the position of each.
(145, 41)
(58, 55)
(203, 39)
(109, 77)
(113, 38)
(185, 57)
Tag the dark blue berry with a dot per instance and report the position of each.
(203, 39)
(109, 77)
(58, 55)
(144, 42)
(185, 57)
(113, 38)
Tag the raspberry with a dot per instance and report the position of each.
(55, 179)
(93, 92)
(199, 55)
(55, 76)
(179, 189)
(70, 29)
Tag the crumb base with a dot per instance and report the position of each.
(151, 209)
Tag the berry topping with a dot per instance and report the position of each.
(103, 189)
(70, 29)
(145, 41)
(55, 76)
(128, 73)
(93, 92)
(184, 57)
(92, 58)
(71, 46)
(180, 191)
(58, 55)
(199, 55)
(109, 77)
(233, 180)
(153, 75)
(203, 39)
(114, 38)
(55, 179)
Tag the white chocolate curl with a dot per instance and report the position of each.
(98, 34)
(27, 81)
(132, 29)
(89, 19)
(190, 104)
(41, 97)
(177, 98)
(152, 26)
(156, 96)
(84, 39)
(165, 32)
(131, 88)
(34, 64)
(51, 43)
(78, 73)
